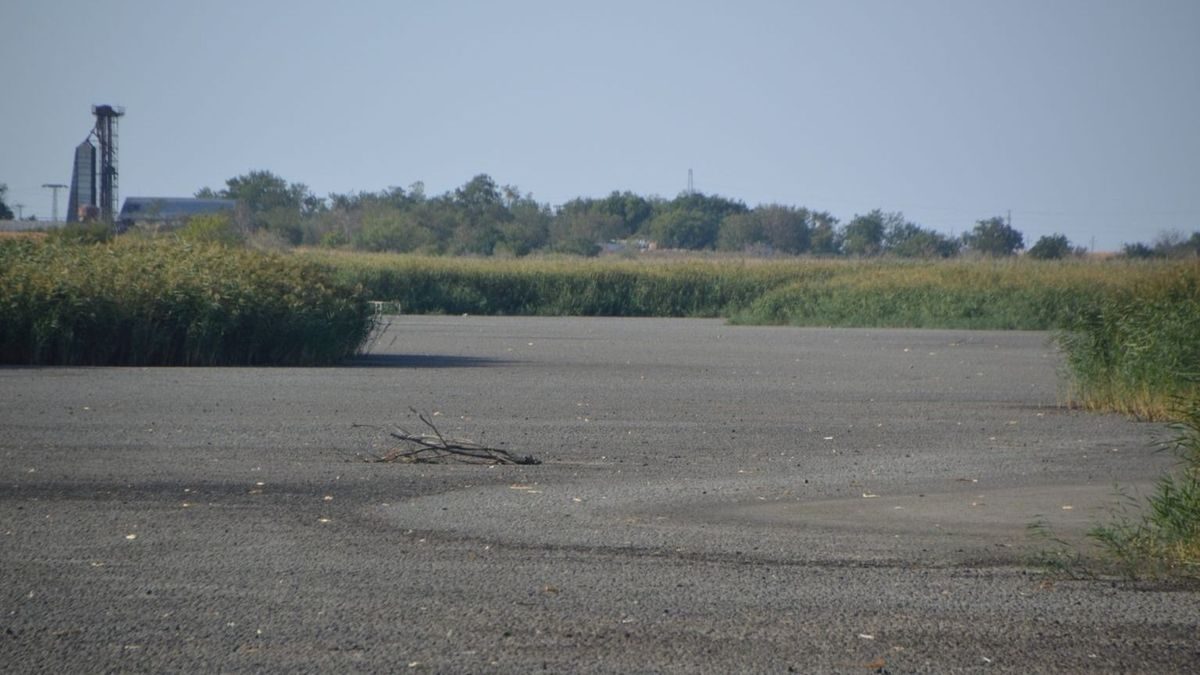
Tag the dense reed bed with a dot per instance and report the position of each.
(1136, 349)
(161, 302)
(557, 286)
(1002, 294)
(982, 294)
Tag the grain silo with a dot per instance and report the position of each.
(82, 199)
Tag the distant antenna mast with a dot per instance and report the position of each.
(691, 186)
(106, 135)
(54, 187)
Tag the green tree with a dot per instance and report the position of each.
(825, 238)
(740, 231)
(385, 228)
(994, 237)
(863, 236)
(481, 201)
(1051, 247)
(1137, 250)
(343, 221)
(481, 213)
(393, 197)
(634, 211)
(785, 228)
(5, 212)
(692, 220)
(685, 228)
(529, 228)
(263, 191)
(711, 207)
(267, 201)
(593, 226)
(909, 240)
(780, 228)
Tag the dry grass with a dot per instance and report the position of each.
(21, 236)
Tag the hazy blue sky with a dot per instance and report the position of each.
(1079, 116)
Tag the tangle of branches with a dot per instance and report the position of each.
(434, 448)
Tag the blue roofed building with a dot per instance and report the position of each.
(169, 210)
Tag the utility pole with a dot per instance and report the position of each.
(18, 207)
(54, 187)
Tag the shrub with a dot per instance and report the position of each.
(1050, 247)
(1164, 540)
(214, 228)
(82, 233)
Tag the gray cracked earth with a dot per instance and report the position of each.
(712, 499)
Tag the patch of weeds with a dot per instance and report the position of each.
(1054, 554)
(1155, 538)
(1130, 352)
(1163, 539)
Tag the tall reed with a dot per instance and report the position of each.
(1018, 294)
(555, 286)
(1137, 348)
(140, 302)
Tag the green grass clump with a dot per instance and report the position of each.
(1164, 538)
(1135, 349)
(162, 302)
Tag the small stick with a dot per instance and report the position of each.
(437, 448)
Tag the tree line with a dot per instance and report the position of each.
(484, 218)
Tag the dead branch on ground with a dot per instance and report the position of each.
(434, 448)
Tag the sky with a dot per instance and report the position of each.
(1079, 117)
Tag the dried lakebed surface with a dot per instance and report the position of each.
(711, 498)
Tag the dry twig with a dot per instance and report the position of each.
(433, 448)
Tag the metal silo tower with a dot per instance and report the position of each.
(106, 135)
(82, 196)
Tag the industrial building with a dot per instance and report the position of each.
(93, 193)
(168, 211)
